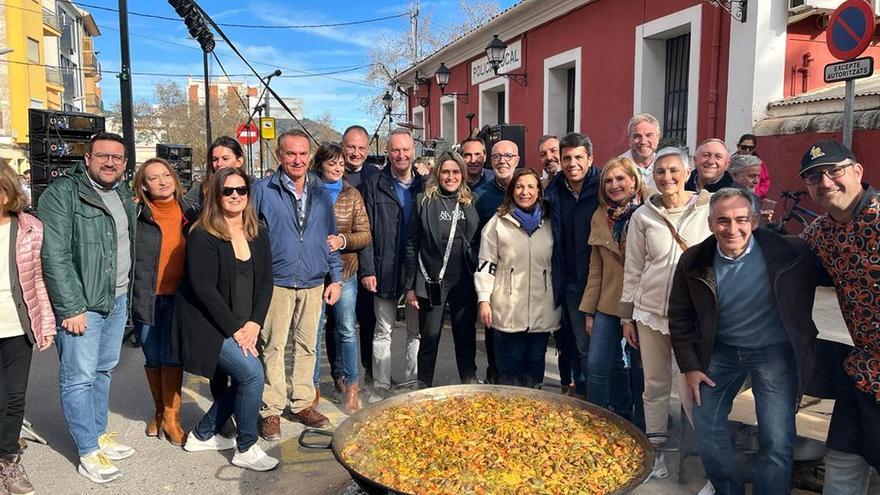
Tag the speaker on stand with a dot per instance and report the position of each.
(180, 158)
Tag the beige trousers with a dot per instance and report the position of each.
(298, 310)
(656, 350)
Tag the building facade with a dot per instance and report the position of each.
(49, 63)
(589, 65)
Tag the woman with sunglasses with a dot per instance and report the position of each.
(224, 152)
(162, 217)
(219, 311)
(748, 145)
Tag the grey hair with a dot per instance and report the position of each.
(741, 162)
(735, 192)
(643, 117)
(398, 132)
(674, 151)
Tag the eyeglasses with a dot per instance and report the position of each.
(813, 178)
(241, 190)
(506, 156)
(746, 147)
(105, 157)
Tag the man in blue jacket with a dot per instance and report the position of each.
(299, 215)
(573, 198)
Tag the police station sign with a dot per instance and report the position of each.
(481, 70)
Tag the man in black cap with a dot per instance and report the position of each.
(847, 241)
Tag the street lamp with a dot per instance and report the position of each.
(388, 102)
(495, 54)
(442, 74)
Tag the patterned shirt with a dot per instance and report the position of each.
(850, 252)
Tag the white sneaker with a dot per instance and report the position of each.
(114, 450)
(217, 442)
(98, 468)
(708, 489)
(659, 471)
(254, 459)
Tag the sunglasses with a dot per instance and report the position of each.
(227, 191)
(746, 147)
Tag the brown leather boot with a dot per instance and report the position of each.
(172, 379)
(14, 478)
(154, 378)
(352, 404)
(317, 397)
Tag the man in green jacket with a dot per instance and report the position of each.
(88, 219)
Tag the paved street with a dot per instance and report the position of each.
(160, 468)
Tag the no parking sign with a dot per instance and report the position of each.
(850, 29)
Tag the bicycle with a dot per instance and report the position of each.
(793, 212)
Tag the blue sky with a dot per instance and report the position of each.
(163, 47)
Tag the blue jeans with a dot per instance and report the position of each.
(346, 340)
(242, 398)
(576, 318)
(520, 357)
(86, 362)
(608, 376)
(774, 384)
(155, 339)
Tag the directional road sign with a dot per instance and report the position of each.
(247, 133)
(856, 68)
(850, 29)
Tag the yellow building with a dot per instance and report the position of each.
(30, 84)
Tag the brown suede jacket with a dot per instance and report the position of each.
(353, 224)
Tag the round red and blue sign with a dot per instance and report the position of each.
(850, 29)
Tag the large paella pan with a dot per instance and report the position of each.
(489, 439)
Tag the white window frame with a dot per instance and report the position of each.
(558, 61)
(420, 110)
(647, 95)
(444, 100)
(492, 86)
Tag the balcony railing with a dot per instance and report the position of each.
(53, 76)
(51, 20)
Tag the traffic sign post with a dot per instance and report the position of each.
(850, 31)
(247, 134)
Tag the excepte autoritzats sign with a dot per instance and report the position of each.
(482, 71)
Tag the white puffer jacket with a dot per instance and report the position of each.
(514, 276)
(652, 253)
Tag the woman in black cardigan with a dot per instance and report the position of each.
(219, 311)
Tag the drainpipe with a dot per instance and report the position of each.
(714, 69)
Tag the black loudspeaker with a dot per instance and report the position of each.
(180, 157)
(504, 132)
(57, 142)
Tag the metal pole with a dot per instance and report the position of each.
(260, 138)
(125, 95)
(250, 152)
(207, 107)
(849, 100)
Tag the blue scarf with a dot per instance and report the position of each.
(333, 189)
(529, 221)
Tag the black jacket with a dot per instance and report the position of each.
(203, 316)
(794, 273)
(726, 180)
(383, 256)
(146, 260)
(428, 235)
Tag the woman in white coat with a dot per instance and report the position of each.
(514, 284)
(669, 222)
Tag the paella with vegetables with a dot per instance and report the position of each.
(494, 444)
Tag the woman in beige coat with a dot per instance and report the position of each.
(669, 222)
(620, 195)
(514, 284)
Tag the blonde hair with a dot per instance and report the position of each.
(10, 187)
(465, 196)
(141, 195)
(628, 166)
(212, 218)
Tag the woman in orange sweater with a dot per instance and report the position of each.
(163, 215)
